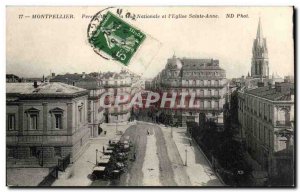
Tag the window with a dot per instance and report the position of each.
(209, 104)
(11, 122)
(217, 104)
(201, 105)
(89, 105)
(80, 114)
(32, 118)
(194, 82)
(57, 151)
(33, 121)
(57, 118)
(201, 92)
(270, 138)
(216, 92)
(266, 136)
(255, 129)
(89, 117)
(209, 93)
(58, 121)
(259, 132)
(33, 152)
(10, 151)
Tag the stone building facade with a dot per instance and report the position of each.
(117, 84)
(266, 116)
(44, 122)
(202, 77)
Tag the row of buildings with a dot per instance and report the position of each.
(53, 118)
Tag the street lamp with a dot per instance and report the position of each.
(42, 155)
(185, 156)
(96, 156)
(116, 127)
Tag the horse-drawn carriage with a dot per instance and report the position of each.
(99, 172)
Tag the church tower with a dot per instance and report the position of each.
(260, 61)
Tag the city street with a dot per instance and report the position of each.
(158, 161)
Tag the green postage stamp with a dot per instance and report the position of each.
(116, 38)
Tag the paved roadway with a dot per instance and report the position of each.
(135, 176)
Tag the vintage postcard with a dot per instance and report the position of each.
(150, 96)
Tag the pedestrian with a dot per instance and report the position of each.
(134, 156)
(103, 149)
(109, 142)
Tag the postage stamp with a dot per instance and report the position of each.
(115, 37)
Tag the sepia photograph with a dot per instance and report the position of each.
(150, 96)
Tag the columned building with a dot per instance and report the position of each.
(45, 122)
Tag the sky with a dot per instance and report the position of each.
(36, 47)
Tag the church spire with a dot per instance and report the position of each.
(260, 63)
(259, 34)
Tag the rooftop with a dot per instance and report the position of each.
(271, 93)
(43, 89)
(73, 77)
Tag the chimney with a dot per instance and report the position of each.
(270, 85)
(83, 75)
(260, 84)
(35, 85)
(287, 79)
(284, 87)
